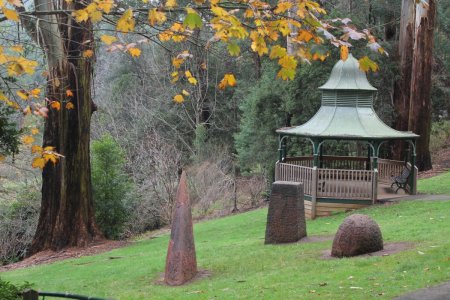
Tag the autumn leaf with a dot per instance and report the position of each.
(178, 98)
(38, 162)
(27, 139)
(126, 22)
(105, 5)
(192, 80)
(88, 53)
(11, 14)
(366, 64)
(69, 93)
(22, 94)
(156, 17)
(35, 92)
(2, 158)
(186, 93)
(277, 52)
(80, 15)
(56, 105)
(176, 62)
(134, 51)
(108, 39)
(36, 149)
(69, 105)
(228, 80)
(34, 131)
(282, 7)
(192, 19)
(344, 53)
(17, 48)
(233, 49)
(171, 3)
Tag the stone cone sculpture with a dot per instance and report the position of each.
(181, 262)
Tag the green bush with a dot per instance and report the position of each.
(9, 291)
(440, 132)
(110, 186)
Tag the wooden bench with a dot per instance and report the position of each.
(401, 180)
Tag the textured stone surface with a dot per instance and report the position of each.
(358, 234)
(286, 215)
(181, 262)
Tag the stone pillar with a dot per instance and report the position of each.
(286, 216)
(181, 262)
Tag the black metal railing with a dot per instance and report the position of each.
(36, 295)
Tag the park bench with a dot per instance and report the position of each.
(35, 295)
(401, 180)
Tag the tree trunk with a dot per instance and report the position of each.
(67, 216)
(420, 99)
(402, 85)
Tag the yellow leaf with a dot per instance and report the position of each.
(69, 93)
(108, 39)
(95, 16)
(27, 110)
(56, 105)
(282, 7)
(80, 15)
(177, 62)
(344, 53)
(17, 48)
(366, 64)
(228, 80)
(48, 156)
(178, 98)
(2, 158)
(188, 74)
(36, 149)
(126, 23)
(22, 94)
(304, 36)
(156, 17)
(27, 139)
(105, 5)
(192, 80)
(88, 53)
(277, 52)
(69, 105)
(171, 3)
(186, 93)
(134, 51)
(35, 92)
(11, 14)
(165, 36)
(34, 131)
(38, 162)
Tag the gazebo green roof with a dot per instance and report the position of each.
(347, 109)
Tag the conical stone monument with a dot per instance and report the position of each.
(181, 262)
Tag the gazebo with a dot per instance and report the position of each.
(339, 183)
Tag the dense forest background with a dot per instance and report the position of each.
(224, 138)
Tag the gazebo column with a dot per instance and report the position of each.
(315, 178)
(375, 152)
(413, 178)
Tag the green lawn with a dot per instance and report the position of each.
(242, 267)
(435, 185)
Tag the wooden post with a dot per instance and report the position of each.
(314, 185)
(30, 295)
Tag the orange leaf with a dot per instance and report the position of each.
(38, 162)
(69, 93)
(344, 53)
(88, 53)
(34, 131)
(56, 105)
(178, 98)
(27, 139)
(134, 51)
(69, 105)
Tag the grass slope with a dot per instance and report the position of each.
(435, 185)
(243, 267)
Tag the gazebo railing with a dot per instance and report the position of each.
(345, 162)
(345, 184)
(295, 173)
(388, 168)
(304, 161)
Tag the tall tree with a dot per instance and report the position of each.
(412, 96)
(67, 216)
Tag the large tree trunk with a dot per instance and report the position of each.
(67, 216)
(402, 86)
(420, 101)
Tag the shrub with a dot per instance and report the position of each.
(110, 186)
(18, 221)
(440, 133)
(9, 291)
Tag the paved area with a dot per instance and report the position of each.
(438, 292)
